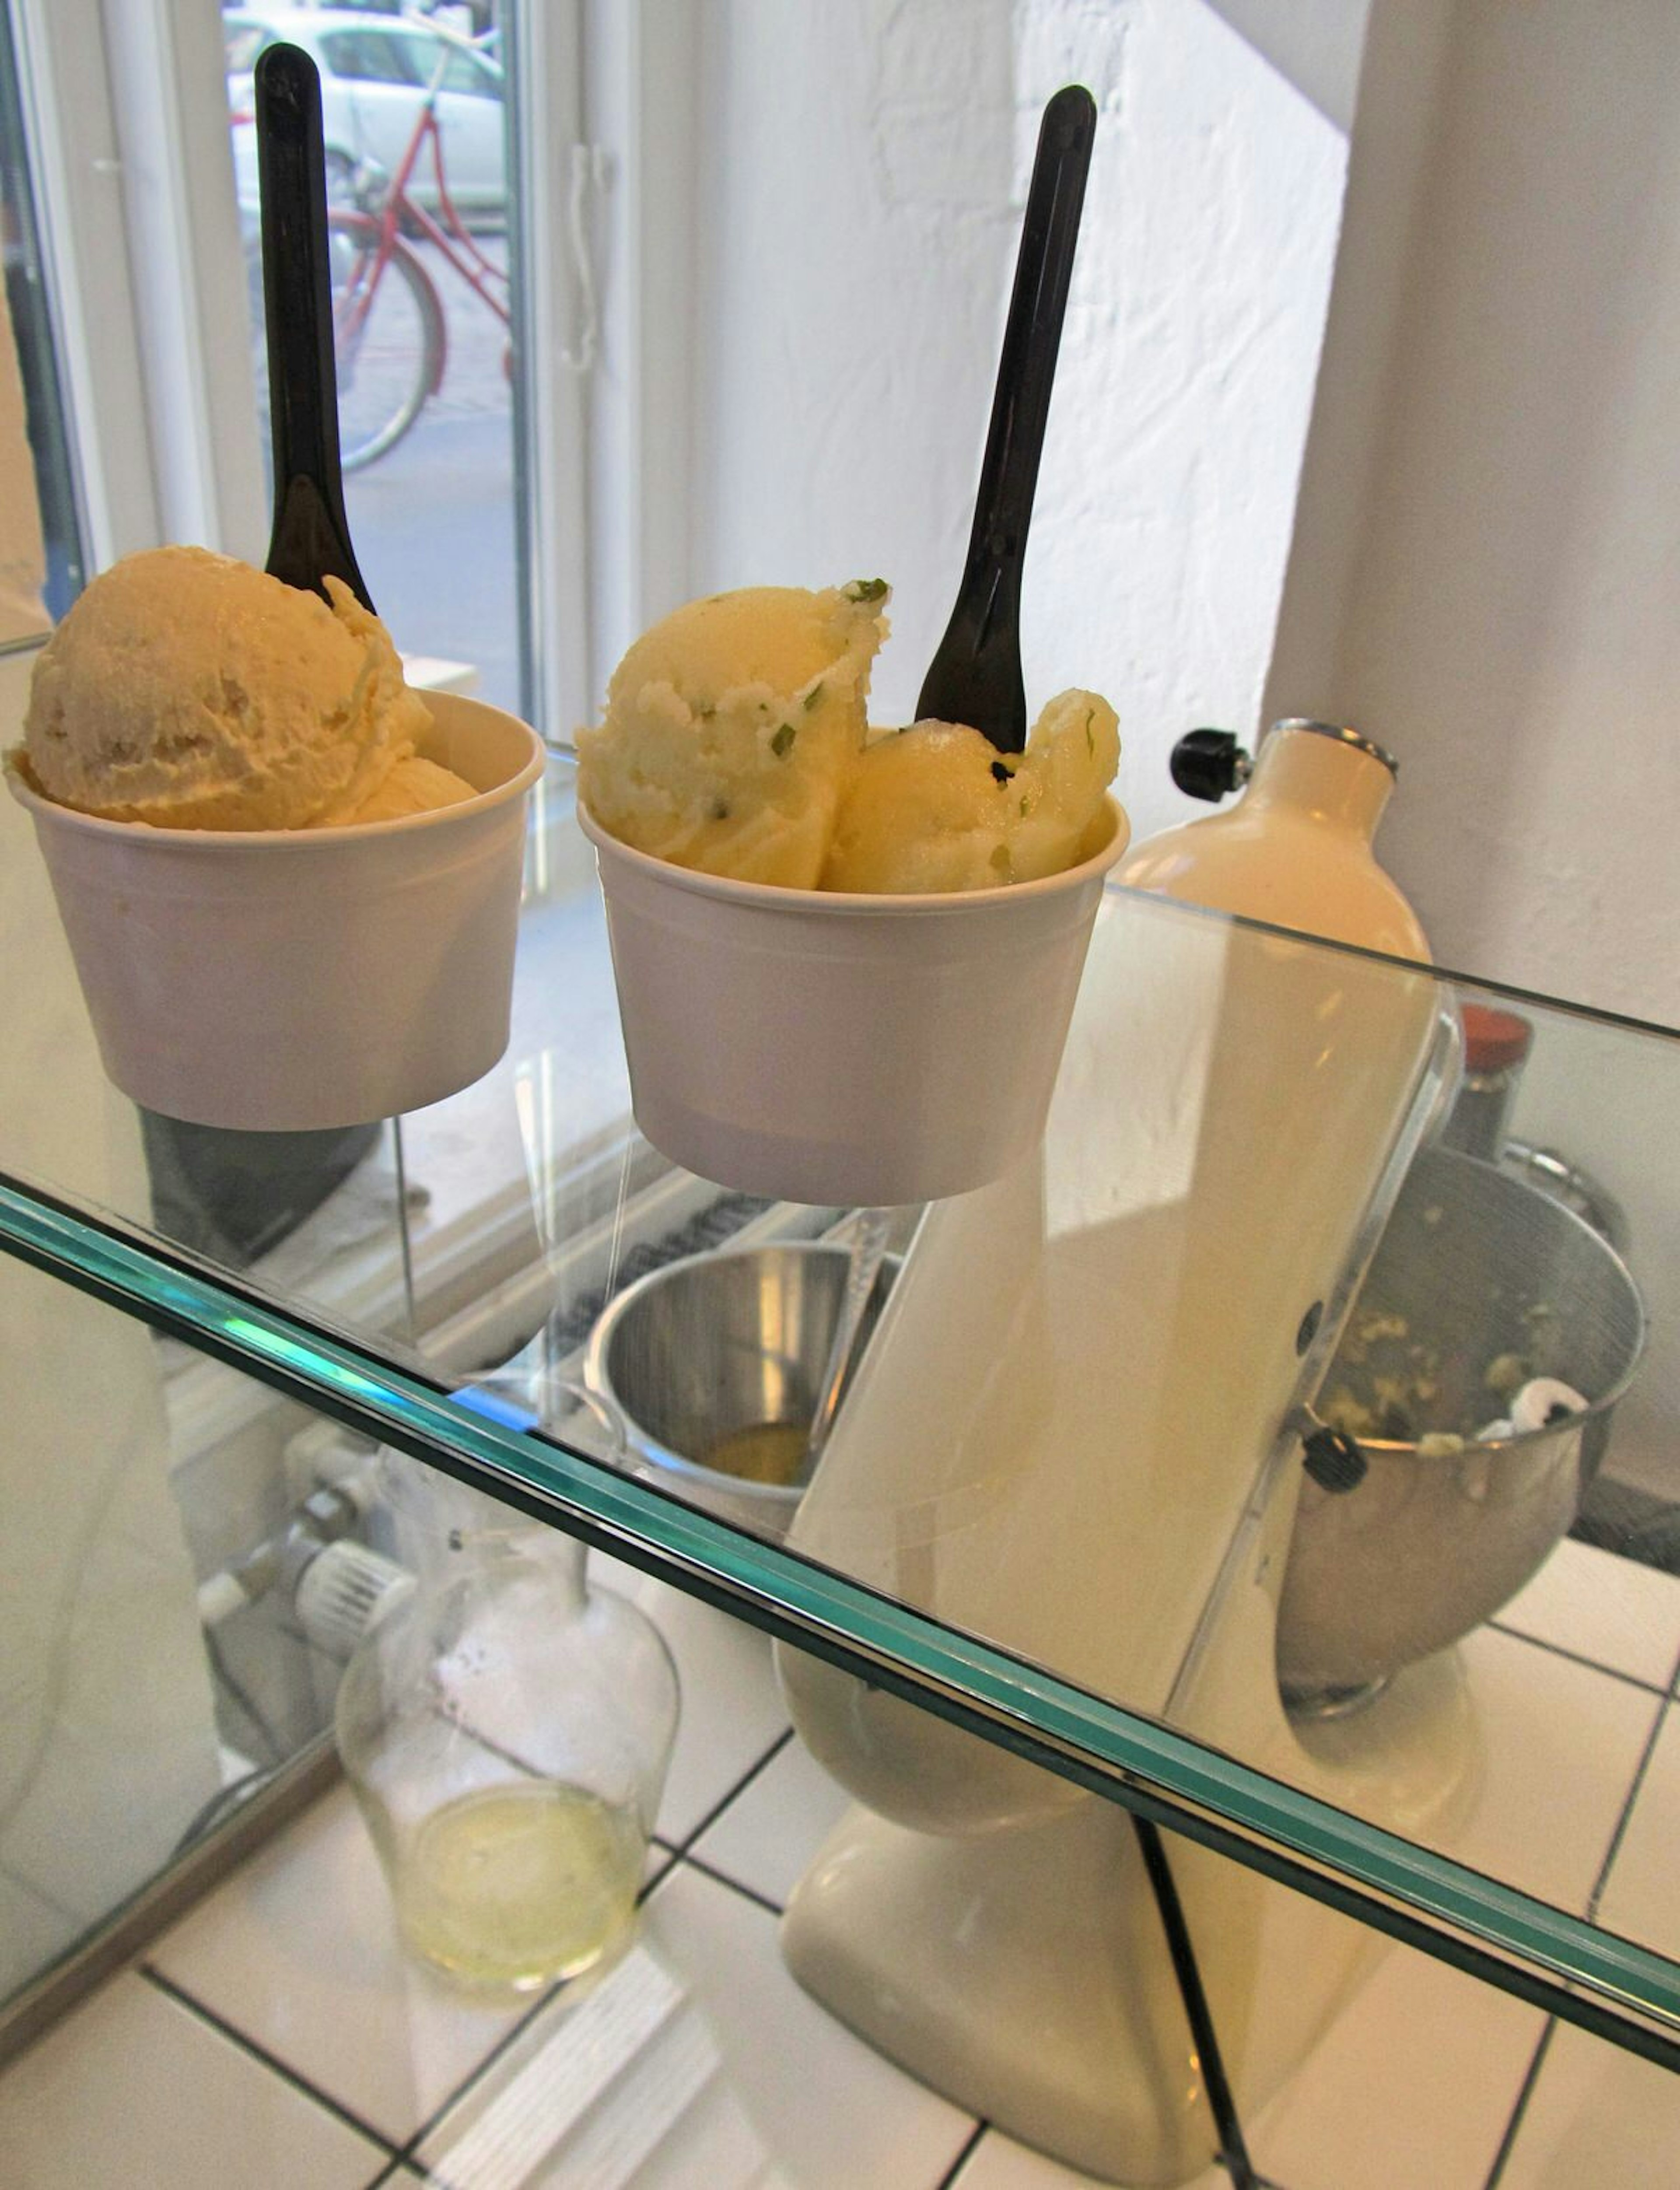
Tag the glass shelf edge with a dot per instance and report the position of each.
(999, 1696)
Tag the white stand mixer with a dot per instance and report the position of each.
(1072, 1436)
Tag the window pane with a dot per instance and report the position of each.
(244, 43)
(368, 57)
(424, 357)
(461, 73)
(29, 307)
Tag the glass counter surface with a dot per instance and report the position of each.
(1063, 1506)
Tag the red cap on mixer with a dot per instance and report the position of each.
(1494, 1041)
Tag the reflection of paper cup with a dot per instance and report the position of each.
(822, 1047)
(275, 981)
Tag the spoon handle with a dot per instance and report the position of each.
(311, 535)
(975, 676)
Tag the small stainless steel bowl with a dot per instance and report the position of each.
(1474, 1265)
(717, 1346)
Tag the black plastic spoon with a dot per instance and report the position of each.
(311, 536)
(975, 676)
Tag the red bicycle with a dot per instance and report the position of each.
(390, 339)
(389, 335)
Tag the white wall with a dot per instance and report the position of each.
(852, 211)
(858, 207)
(1484, 576)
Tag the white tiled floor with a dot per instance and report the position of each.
(136, 2088)
(1640, 1899)
(769, 1832)
(849, 2118)
(1595, 2118)
(1608, 1611)
(277, 2036)
(298, 1953)
(1544, 1726)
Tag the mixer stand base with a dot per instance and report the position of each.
(1025, 1976)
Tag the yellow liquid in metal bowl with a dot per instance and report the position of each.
(768, 1452)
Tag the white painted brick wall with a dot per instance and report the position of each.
(862, 175)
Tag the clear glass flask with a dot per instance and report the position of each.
(506, 1731)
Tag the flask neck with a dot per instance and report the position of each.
(1322, 778)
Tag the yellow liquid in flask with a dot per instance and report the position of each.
(520, 1885)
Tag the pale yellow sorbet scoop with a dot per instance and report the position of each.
(937, 808)
(188, 691)
(731, 728)
(736, 741)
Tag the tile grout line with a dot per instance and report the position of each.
(651, 1884)
(395, 2169)
(949, 2179)
(1579, 1658)
(470, 2081)
(656, 1878)
(952, 2178)
(680, 1848)
(260, 2053)
(1619, 1834)
(722, 1878)
(1641, 1772)
(480, 2068)
(1507, 2143)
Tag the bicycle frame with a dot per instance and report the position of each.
(450, 235)
(378, 234)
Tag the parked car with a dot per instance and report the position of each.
(375, 73)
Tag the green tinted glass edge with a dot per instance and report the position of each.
(1006, 1692)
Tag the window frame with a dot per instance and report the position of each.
(77, 168)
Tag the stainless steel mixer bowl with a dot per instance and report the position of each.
(1476, 1266)
(733, 1339)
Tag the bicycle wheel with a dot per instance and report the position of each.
(388, 337)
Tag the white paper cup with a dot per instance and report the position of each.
(279, 980)
(844, 1049)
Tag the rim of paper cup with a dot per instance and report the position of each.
(262, 840)
(842, 903)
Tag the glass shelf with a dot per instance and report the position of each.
(1064, 1509)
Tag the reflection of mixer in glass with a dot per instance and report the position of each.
(1078, 1433)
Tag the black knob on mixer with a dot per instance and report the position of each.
(1208, 763)
(1334, 1460)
